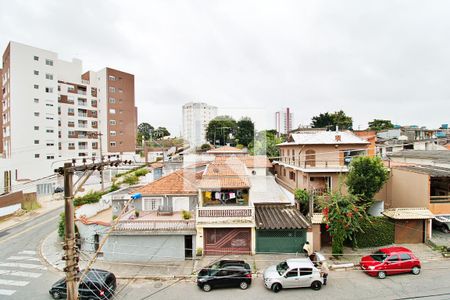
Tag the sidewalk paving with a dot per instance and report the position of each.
(48, 203)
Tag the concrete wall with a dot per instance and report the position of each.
(145, 248)
(408, 189)
(87, 233)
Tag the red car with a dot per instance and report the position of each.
(389, 261)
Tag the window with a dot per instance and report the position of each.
(50, 157)
(393, 258)
(112, 111)
(405, 256)
(120, 91)
(70, 111)
(310, 158)
(112, 144)
(112, 122)
(49, 76)
(36, 58)
(36, 142)
(112, 78)
(36, 127)
(49, 104)
(36, 100)
(49, 90)
(36, 155)
(36, 72)
(36, 114)
(112, 100)
(112, 89)
(50, 144)
(292, 273)
(49, 130)
(49, 118)
(305, 271)
(150, 203)
(112, 133)
(49, 62)
(292, 176)
(36, 86)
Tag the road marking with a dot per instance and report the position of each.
(28, 252)
(20, 274)
(28, 229)
(23, 258)
(6, 292)
(21, 265)
(13, 282)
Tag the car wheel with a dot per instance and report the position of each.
(382, 275)
(316, 285)
(276, 287)
(206, 287)
(56, 295)
(415, 270)
(243, 285)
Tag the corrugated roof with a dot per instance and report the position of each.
(436, 156)
(279, 217)
(179, 182)
(433, 171)
(324, 138)
(414, 213)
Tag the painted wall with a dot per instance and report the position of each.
(87, 233)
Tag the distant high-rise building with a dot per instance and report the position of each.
(52, 111)
(283, 121)
(196, 117)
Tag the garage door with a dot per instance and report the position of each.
(282, 241)
(409, 231)
(221, 241)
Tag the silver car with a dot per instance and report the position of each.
(293, 273)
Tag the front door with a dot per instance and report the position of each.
(392, 264)
(188, 247)
(291, 279)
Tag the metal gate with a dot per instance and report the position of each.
(281, 241)
(222, 241)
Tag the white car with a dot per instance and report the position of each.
(293, 273)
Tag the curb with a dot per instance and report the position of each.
(41, 252)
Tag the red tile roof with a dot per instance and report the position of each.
(179, 182)
(233, 182)
(259, 161)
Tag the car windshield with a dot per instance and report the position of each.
(379, 256)
(282, 268)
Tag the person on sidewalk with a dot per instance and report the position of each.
(307, 249)
(324, 269)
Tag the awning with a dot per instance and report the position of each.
(279, 217)
(414, 213)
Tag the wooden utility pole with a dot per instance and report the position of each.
(69, 246)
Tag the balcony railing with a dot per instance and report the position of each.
(225, 212)
(440, 199)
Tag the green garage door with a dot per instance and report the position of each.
(283, 241)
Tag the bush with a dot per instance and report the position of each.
(302, 197)
(114, 187)
(131, 179)
(91, 197)
(141, 172)
(199, 251)
(186, 214)
(205, 147)
(377, 231)
(62, 225)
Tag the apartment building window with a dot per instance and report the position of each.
(112, 89)
(112, 111)
(71, 146)
(49, 90)
(112, 100)
(49, 62)
(36, 142)
(36, 58)
(112, 144)
(71, 111)
(36, 72)
(50, 144)
(36, 114)
(50, 157)
(36, 86)
(112, 122)
(49, 130)
(49, 118)
(49, 104)
(112, 133)
(36, 155)
(36, 127)
(36, 100)
(70, 88)
(112, 78)
(71, 124)
(49, 76)
(59, 146)
(94, 103)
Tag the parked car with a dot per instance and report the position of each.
(389, 261)
(58, 190)
(225, 273)
(293, 273)
(442, 223)
(97, 284)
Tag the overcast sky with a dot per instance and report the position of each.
(372, 59)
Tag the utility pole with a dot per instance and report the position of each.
(101, 159)
(70, 249)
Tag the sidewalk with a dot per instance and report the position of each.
(48, 203)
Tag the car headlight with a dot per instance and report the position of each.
(371, 267)
(201, 280)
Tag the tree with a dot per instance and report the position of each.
(378, 124)
(205, 147)
(331, 120)
(343, 218)
(302, 197)
(144, 130)
(366, 177)
(160, 132)
(219, 130)
(245, 131)
(265, 143)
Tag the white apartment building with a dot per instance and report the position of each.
(196, 117)
(283, 121)
(52, 111)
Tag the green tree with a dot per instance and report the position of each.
(220, 129)
(366, 177)
(144, 130)
(245, 131)
(160, 132)
(378, 124)
(331, 120)
(205, 147)
(343, 218)
(265, 143)
(302, 197)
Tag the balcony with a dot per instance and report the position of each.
(225, 215)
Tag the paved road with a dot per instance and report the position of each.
(23, 274)
(434, 280)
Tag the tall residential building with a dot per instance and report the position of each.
(196, 117)
(52, 111)
(283, 121)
